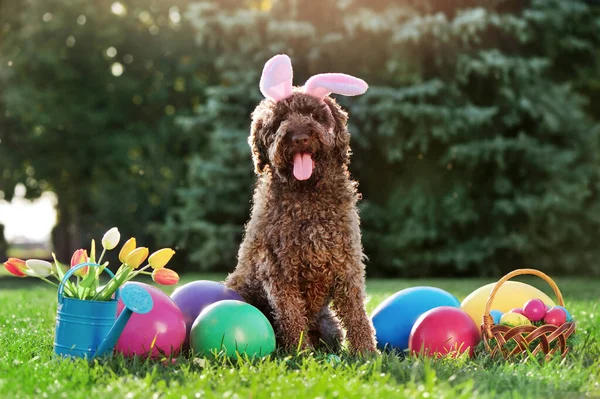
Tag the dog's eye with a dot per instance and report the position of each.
(319, 118)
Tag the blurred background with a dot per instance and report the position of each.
(476, 146)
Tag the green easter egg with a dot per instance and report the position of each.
(232, 327)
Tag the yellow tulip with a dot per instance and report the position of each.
(160, 258)
(136, 257)
(126, 250)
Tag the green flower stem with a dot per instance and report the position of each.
(128, 275)
(98, 271)
(121, 276)
(68, 287)
(72, 288)
(48, 281)
(69, 292)
(101, 256)
(77, 287)
(108, 287)
(141, 271)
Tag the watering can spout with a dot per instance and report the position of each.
(136, 300)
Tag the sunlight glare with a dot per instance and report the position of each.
(116, 69)
(174, 15)
(28, 220)
(118, 8)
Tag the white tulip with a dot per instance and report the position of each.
(111, 238)
(38, 268)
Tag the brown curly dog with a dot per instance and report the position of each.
(302, 246)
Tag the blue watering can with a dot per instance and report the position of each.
(86, 328)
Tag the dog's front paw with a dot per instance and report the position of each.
(365, 348)
(362, 341)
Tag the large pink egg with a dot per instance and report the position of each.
(534, 309)
(444, 330)
(164, 324)
(555, 316)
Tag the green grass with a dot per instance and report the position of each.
(28, 370)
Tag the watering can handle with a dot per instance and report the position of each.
(61, 287)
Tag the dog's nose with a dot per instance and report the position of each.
(300, 139)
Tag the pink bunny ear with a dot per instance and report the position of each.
(276, 79)
(324, 84)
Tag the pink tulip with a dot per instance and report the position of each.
(80, 256)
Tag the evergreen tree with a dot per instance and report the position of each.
(492, 164)
(474, 153)
(89, 92)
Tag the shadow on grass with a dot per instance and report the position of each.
(187, 366)
(15, 283)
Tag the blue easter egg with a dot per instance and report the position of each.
(496, 315)
(394, 318)
(569, 317)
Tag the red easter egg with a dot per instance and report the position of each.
(555, 316)
(535, 309)
(444, 330)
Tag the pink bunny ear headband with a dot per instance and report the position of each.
(276, 81)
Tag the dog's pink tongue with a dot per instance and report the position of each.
(303, 166)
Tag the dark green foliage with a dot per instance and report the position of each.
(3, 245)
(89, 99)
(494, 166)
(475, 147)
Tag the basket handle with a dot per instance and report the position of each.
(488, 320)
(69, 273)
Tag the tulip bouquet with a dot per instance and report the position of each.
(87, 286)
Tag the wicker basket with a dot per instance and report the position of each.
(549, 339)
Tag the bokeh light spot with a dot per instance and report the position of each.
(47, 17)
(70, 42)
(174, 15)
(179, 84)
(145, 17)
(118, 8)
(111, 52)
(116, 69)
(81, 20)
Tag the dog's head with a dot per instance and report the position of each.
(300, 133)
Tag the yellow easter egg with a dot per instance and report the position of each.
(512, 294)
(514, 319)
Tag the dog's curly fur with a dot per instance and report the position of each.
(302, 246)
